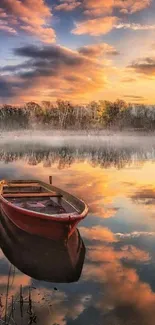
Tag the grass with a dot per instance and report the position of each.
(7, 310)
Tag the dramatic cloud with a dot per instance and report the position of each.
(131, 300)
(92, 71)
(96, 50)
(48, 67)
(99, 24)
(95, 27)
(144, 66)
(105, 7)
(30, 16)
(104, 25)
(100, 7)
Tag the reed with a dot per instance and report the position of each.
(19, 309)
(9, 307)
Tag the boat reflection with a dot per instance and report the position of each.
(41, 258)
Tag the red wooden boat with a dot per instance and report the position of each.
(41, 209)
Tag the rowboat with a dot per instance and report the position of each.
(41, 209)
(56, 261)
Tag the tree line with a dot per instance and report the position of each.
(64, 115)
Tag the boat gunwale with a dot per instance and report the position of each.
(63, 217)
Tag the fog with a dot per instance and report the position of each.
(63, 148)
(78, 139)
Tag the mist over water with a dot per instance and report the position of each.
(102, 149)
(113, 173)
(52, 138)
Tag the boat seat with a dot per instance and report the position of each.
(22, 185)
(16, 195)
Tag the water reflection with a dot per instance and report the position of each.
(104, 152)
(117, 282)
(42, 258)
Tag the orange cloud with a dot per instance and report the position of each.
(145, 66)
(47, 35)
(98, 7)
(130, 299)
(6, 28)
(98, 233)
(27, 18)
(138, 5)
(103, 7)
(68, 5)
(127, 252)
(96, 50)
(95, 27)
(51, 66)
(103, 25)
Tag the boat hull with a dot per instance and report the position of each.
(56, 230)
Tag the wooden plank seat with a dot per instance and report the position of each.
(17, 191)
(22, 185)
(18, 195)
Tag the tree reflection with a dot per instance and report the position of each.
(65, 156)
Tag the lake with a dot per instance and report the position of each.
(115, 175)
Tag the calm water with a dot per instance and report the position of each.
(116, 177)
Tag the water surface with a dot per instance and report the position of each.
(115, 176)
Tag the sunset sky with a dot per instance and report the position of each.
(78, 50)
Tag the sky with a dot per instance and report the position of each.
(77, 50)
